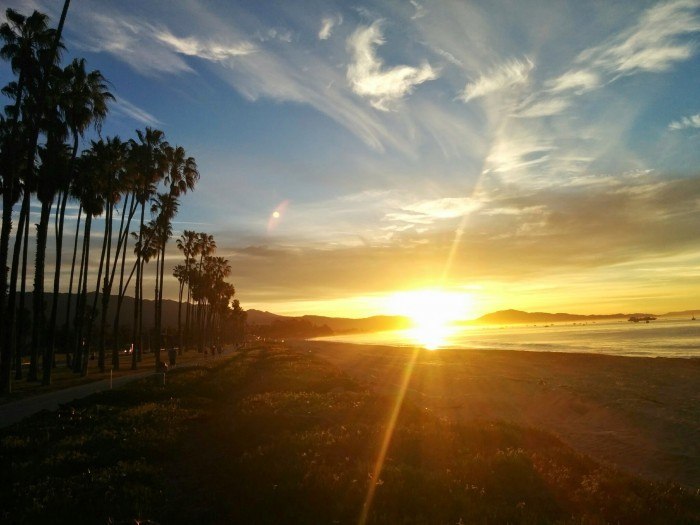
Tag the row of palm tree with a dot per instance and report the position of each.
(208, 295)
(134, 185)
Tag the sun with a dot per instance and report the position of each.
(433, 313)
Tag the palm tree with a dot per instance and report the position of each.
(25, 40)
(187, 244)
(144, 249)
(164, 208)
(205, 246)
(92, 200)
(83, 103)
(54, 156)
(109, 160)
(55, 159)
(148, 162)
(180, 272)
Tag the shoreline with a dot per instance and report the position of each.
(639, 413)
(326, 340)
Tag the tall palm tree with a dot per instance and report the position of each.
(187, 244)
(54, 166)
(84, 103)
(149, 165)
(55, 159)
(25, 40)
(180, 272)
(92, 200)
(144, 249)
(164, 208)
(206, 245)
(109, 155)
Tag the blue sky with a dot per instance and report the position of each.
(541, 155)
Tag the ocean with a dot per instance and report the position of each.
(660, 338)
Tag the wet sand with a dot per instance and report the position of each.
(641, 414)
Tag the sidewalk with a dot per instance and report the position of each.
(18, 410)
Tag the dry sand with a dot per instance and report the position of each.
(641, 414)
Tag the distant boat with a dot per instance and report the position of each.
(644, 318)
(693, 318)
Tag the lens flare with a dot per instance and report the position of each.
(276, 215)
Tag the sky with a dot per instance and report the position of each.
(520, 154)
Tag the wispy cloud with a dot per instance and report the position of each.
(126, 108)
(692, 121)
(327, 25)
(367, 76)
(192, 46)
(511, 73)
(544, 108)
(653, 44)
(578, 80)
(130, 40)
(429, 211)
(508, 154)
(420, 10)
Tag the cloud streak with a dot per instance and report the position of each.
(192, 46)
(507, 75)
(132, 111)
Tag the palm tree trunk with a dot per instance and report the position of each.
(122, 242)
(97, 287)
(138, 307)
(106, 291)
(9, 342)
(135, 328)
(51, 342)
(179, 317)
(187, 313)
(7, 320)
(39, 314)
(156, 322)
(80, 362)
(9, 181)
(160, 298)
(72, 273)
(20, 334)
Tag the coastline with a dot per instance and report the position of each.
(641, 414)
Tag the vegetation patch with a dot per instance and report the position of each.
(277, 435)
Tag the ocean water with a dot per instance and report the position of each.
(660, 338)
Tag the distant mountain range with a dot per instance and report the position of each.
(518, 316)
(375, 323)
(313, 325)
(323, 325)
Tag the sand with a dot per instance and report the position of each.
(640, 414)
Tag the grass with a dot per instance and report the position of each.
(278, 436)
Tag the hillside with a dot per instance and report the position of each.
(127, 312)
(336, 324)
(518, 316)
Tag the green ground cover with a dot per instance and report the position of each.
(278, 436)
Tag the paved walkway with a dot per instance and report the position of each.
(18, 410)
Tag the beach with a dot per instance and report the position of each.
(640, 414)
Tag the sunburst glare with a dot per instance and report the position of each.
(433, 313)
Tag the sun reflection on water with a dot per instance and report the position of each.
(431, 336)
